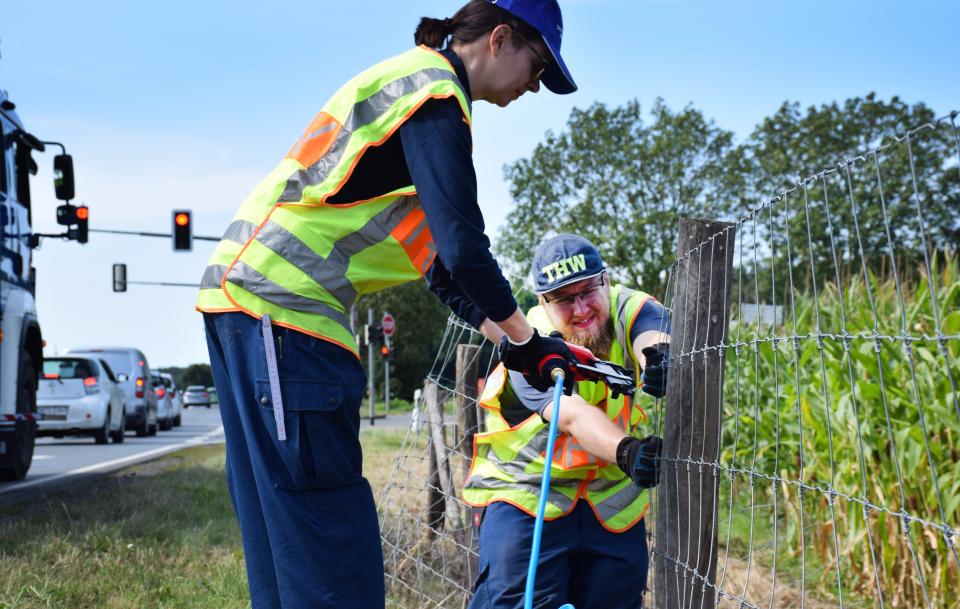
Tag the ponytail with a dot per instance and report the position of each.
(474, 19)
(433, 32)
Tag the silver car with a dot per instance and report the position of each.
(164, 402)
(196, 395)
(176, 397)
(80, 396)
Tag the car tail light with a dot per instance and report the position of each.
(160, 392)
(51, 375)
(90, 385)
(139, 393)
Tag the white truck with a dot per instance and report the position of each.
(21, 341)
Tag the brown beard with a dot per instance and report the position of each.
(598, 343)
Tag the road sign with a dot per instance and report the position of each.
(388, 324)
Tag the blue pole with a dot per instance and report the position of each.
(544, 489)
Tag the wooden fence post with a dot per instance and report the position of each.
(434, 494)
(467, 401)
(435, 417)
(685, 553)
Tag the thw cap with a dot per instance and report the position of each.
(545, 17)
(563, 260)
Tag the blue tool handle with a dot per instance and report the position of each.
(544, 489)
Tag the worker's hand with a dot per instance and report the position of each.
(654, 375)
(526, 358)
(640, 459)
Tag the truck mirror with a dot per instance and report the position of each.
(63, 176)
(30, 141)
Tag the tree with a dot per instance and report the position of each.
(791, 146)
(197, 374)
(623, 184)
(420, 319)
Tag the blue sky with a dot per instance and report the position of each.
(189, 104)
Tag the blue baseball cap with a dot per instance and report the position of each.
(563, 260)
(545, 17)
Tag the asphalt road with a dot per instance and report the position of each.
(71, 459)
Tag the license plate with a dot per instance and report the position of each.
(54, 413)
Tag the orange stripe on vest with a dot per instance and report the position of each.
(316, 140)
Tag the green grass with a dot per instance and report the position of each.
(160, 535)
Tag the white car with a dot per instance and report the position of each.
(132, 371)
(80, 396)
(176, 397)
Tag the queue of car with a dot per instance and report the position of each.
(103, 392)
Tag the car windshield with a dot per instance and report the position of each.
(119, 362)
(68, 368)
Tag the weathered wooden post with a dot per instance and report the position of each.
(685, 553)
(435, 416)
(434, 495)
(467, 401)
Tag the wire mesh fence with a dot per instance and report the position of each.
(812, 422)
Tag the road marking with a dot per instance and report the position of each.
(129, 459)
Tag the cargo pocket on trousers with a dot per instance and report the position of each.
(310, 457)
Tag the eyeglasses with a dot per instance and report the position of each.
(544, 62)
(586, 294)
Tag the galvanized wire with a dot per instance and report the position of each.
(837, 482)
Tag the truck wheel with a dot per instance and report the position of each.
(20, 451)
(103, 434)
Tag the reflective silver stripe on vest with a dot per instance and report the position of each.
(253, 281)
(239, 231)
(212, 276)
(620, 328)
(331, 273)
(557, 500)
(617, 502)
(362, 114)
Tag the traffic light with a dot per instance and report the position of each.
(83, 216)
(119, 277)
(66, 214)
(182, 230)
(385, 352)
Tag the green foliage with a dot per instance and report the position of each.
(790, 145)
(623, 184)
(196, 374)
(420, 319)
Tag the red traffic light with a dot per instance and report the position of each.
(385, 351)
(182, 230)
(182, 219)
(83, 213)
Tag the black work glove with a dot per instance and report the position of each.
(640, 459)
(654, 375)
(526, 358)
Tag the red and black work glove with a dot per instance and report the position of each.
(528, 357)
(654, 374)
(640, 459)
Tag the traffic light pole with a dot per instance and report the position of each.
(370, 362)
(386, 375)
(147, 234)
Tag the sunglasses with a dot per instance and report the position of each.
(587, 294)
(536, 72)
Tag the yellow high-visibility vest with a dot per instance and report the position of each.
(291, 254)
(508, 461)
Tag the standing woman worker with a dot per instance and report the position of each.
(380, 190)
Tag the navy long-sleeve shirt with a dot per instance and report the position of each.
(434, 153)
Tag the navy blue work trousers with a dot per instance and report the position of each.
(307, 515)
(580, 562)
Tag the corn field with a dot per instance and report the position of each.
(833, 480)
